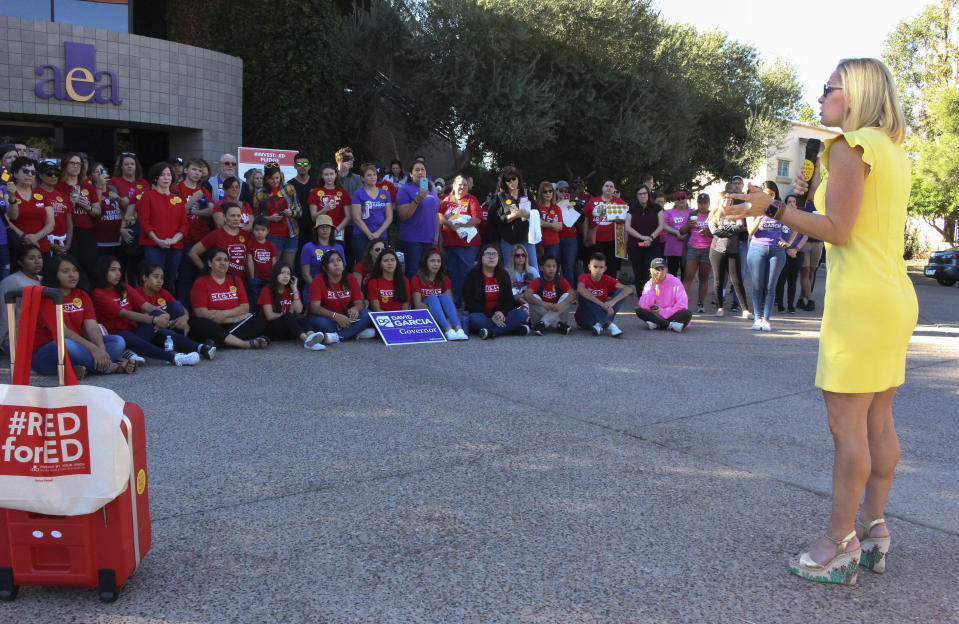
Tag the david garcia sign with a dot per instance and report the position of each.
(407, 327)
(78, 80)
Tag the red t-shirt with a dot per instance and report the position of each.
(338, 198)
(263, 255)
(553, 214)
(107, 226)
(81, 218)
(159, 299)
(276, 203)
(198, 225)
(32, 216)
(358, 268)
(381, 290)
(266, 299)
(234, 246)
(450, 207)
(430, 288)
(549, 294)
(595, 215)
(60, 203)
(246, 212)
(131, 190)
(108, 304)
(164, 215)
(606, 286)
(206, 293)
(335, 299)
(390, 188)
(492, 292)
(77, 307)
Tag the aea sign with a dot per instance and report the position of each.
(78, 80)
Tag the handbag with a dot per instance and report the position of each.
(62, 451)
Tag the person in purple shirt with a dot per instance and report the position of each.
(312, 255)
(795, 246)
(765, 259)
(372, 211)
(417, 208)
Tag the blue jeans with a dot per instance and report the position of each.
(181, 344)
(256, 285)
(412, 253)
(551, 250)
(514, 318)
(459, 260)
(45, 358)
(568, 251)
(186, 274)
(507, 249)
(588, 313)
(765, 262)
(169, 259)
(327, 325)
(443, 310)
(360, 241)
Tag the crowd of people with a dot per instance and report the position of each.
(179, 260)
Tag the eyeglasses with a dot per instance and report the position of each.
(549, 191)
(511, 178)
(301, 164)
(228, 163)
(32, 172)
(519, 256)
(828, 88)
(72, 163)
(52, 172)
(491, 254)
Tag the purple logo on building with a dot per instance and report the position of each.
(78, 80)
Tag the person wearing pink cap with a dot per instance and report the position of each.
(663, 304)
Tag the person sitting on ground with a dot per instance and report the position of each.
(519, 271)
(323, 241)
(143, 327)
(488, 297)
(229, 238)
(282, 308)
(221, 308)
(388, 289)
(600, 296)
(152, 291)
(336, 303)
(431, 289)
(89, 349)
(549, 297)
(30, 260)
(363, 268)
(663, 304)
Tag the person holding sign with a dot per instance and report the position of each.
(509, 213)
(600, 229)
(488, 297)
(431, 289)
(549, 297)
(388, 290)
(870, 310)
(278, 203)
(372, 211)
(336, 302)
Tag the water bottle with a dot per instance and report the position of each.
(168, 344)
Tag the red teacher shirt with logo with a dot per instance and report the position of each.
(246, 212)
(335, 299)
(266, 299)
(425, 289)
(107, 226)
(77, 307)
(32, 216)
(131, 190)
(234, 246)
(451, 207)
(81, 218)
(552, 214)
(159, 299)
(381, 289)
(263, 255)
(595, 215)
(492, 292)
(208, 294)
(61, 206)
(108, 303)
(199, 227)
(549, 294)
(602, 289)
(337, 198)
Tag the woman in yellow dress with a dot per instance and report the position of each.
(870, 309)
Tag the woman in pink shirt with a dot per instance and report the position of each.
(663, 304)
(697, 251)
(674, 220)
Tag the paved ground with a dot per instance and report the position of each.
(657, 478)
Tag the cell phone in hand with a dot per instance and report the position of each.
(424, 184)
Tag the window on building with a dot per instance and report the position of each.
(105, 14)
(782, 169)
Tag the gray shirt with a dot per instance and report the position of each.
(11, 282)
(726, 236)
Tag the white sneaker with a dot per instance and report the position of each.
(720, 312)
(315, 338)
(651, 325)
(461, 334)
(597, 329)
(765, 326)
(451, 334)
(614, 331)
(186, 359)
(331, 338)
(133, 357)
(676, 327)
(748, 315)
(758, 325)
(367, 334)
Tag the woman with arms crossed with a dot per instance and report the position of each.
(870, 311)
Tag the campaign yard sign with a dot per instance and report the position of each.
(407, 327)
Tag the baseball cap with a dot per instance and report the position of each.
(740, 178)
(176, 159)
(561, 184)
(657, 263)
(703, 197)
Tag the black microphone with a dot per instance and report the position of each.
(809, 166)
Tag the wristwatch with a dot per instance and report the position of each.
(774, 210)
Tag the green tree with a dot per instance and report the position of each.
(808, 116)
(935, 186)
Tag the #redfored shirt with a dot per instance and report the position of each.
(263, 255)
(335, 198)
(336, 298)
(382, 290)
(266, 299)
(60, 203)
(451, 207)
(551, 214)
(549, 294)
(602, 289)
(595, 214)
(81, 218)
(198, 226)
(207, 293)
(132, 190)
(492, 292)
(77, 307)
(107, 226)
(428, 288)
(159, 299)
(233, 245)
(108, 304)
(246, 212)
(32, 216)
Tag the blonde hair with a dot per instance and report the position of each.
(871, 99)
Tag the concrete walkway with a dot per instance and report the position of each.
(656, 478)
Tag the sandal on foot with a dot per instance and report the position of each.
(874, 549)
(842, 568)
(260, 342)
(123, 367)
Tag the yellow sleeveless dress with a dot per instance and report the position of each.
(870, 308)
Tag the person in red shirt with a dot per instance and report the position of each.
(279, 204)
(221, 309)
(388, 289)
(457, 212)
(231, 193)
(383, 183)
(363, 268)
(89, 349)
(62, 234)
(549, 297)
(568, 236)
(331, 198)
(600, 230)
(431, 289)
(85, 206)
(163, 223)
(152, 291)
(282, 308)
(550, 218)
(31, 219)
(129, 184)
(488, 297)
(144, 327)
(600, 296)
(336, 302)
(261, 255)
(229, 238)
